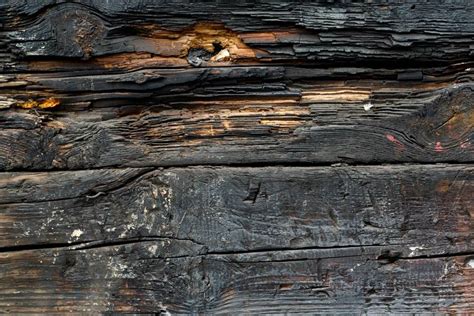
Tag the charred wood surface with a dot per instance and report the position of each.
(236, 157)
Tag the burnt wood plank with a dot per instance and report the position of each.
(305, 30)
(423, 210)
(325, 123)
(145, 83)
(112, 114)
(95, 50)
(101, 43)
(178, 277)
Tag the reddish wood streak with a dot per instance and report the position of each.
(439, 147)
(392, 139)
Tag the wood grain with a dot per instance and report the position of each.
(211, 240)
(307, 30)
(243, 209)
(236, 157)
(84, 87)
(318, 125)
(176, 277)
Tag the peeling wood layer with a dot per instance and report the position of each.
(304, 30)
(230, 85)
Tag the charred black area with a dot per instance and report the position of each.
(228, 157)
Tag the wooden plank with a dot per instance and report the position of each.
(192, 157)
(138, 84)
(177, 277)
(306, 30)
(423, 210)
(319, 125)
(320, 40)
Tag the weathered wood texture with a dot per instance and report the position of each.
(174, 277)
(243, 209)
(227, 157)
(435, 127)
(321, 83)
(275, 239)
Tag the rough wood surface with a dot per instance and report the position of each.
(402, 126)
(244, 209)
(236, 157)
(172, 276)
(322, 83)
(210, 240)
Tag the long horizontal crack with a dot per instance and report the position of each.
(97, 244)
(333, 164)
(90, 244)
(40, 246)
(448, 255)
(288, 249)
(129, 241)
(118, 186)
(399, 65)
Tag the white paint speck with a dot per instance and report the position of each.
(368, 106)
(470, 263)
(119, 269)
(77, 233)
(414, 249)
(163, 311)
(153, 249)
